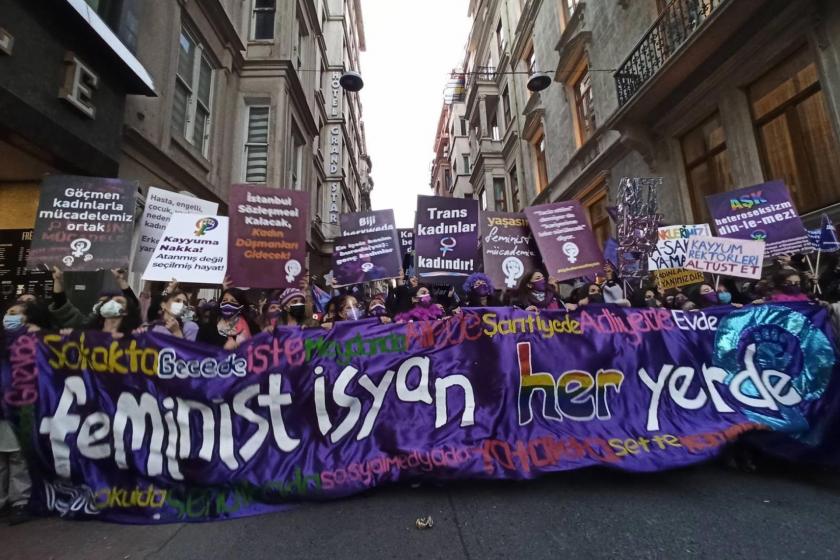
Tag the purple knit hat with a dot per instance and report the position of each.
(289, 294)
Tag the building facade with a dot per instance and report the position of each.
(711, 95)
(249, 93)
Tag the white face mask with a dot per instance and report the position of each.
(111, 309)
(176, 308)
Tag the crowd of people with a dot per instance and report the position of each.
(235, 315)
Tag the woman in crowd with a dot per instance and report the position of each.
(65, 315)
(115, 314)
(424, 307)
(645, 298)
(788, 287)
(229, 324)
(376, 308)
(288, 309)
(172, 318)
(345, 308)
(590, 294)
(535, 294)
(479, 291)
(24, 316)
(705, 296)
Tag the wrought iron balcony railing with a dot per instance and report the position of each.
(674, 26)
(481, 73)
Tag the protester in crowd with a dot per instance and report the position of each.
(376, 308)
(117, 315)
(287, 309)
(346, 308)
(479, 290)
(534, 293)
(65, 315)
(229, 325)
(424, 307)
(172, 317)
(611, 287)
(399, 300)
(646, 297)
(590, 294)
(683, 303)
(28, 316)
(788, 287)
(704, 296)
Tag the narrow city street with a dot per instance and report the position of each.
(703, 512)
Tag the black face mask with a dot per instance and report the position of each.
(297, 311)
(596, 298)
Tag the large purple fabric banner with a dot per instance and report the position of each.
(762, 213)
(154, 429)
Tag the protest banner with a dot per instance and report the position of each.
(762, 212)
(730, 257)
(373, 221)
(365, 257)
(508, 247)
(268, 230)
(160, 205)
(83, 223)
(406, 237)
(446, 236)
(672, 245)
(192, 249)
(566, 242)
(668, 278)
(156, 429)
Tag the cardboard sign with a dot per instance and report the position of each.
(367, 222)
(565, 240)
(268, 229)
(366, 257)
(508, 247)
(83, 223)
(160, 205)
(761, 213)
(446, 237)
(678, 277)
(729, 257)
(192, 249)
(672, 246)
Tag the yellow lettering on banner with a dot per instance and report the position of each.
(677, 277)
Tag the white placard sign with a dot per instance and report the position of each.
(730, 257)
(160, 205)
(192, 249)
(672, 245)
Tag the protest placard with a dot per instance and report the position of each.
(446, 237)
(192, 249)
(762, 212)
(406, 237)
(508, 247)
(268, 229)
(672, 245)
(160, 205)
(668, 278)
(367, 222)
(566, 242)
(83, 223)
(729, 257)
(365, 257)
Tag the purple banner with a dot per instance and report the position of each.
(762, 212)
(83, 223)
(268, 227)
(365, 257)
(446, 237)
(154, 429)
(508, 247)
(406, 237)
(566, 242)
(374, 221)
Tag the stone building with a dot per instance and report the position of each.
(451, 165)
(711, 95)
(248, 92)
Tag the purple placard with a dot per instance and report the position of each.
(267, 242)
(446, 237)
(566, 242)
(508, 247)
(159, 429)
(366, 257)
(373, 221)
(83, 223)
(762, 212)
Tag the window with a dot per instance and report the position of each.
(530, 59)
(584, 106)
(499, 197)
(506, 107)
(494, 126)
(568, 7)
(595, 203)
(500, 38)
(706, 164)
(262, 19)
(482, 199)
(795, 137)
(514, 190)
(193, 93)
(301, 41)
(538, 153)
(319, 198)
(448, 178)
(464, 126)
(256, 145)
(466, 160)
(298, 145)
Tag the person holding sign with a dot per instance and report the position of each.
(229, 325)
(172, 321)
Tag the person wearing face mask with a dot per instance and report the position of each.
(116, 315)
(535, 294)
(229, 324)
(683, 303)
(705, 296)
(590, 295)
(479, 290)
(645, 298)
(288, 309)
(788, 287)
(346, 308)
(376, 308)
(424, 309)
(173, 317)
(65, 315)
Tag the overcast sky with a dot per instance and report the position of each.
(412, 45)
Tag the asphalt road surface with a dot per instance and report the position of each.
(702, 512)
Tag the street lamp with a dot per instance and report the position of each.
(539, 81)
(351, 81)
